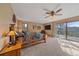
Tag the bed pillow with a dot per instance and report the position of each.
(37, 35)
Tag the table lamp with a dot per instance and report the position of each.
(12, 37)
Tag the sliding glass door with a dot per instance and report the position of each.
(68, 30)
(73, 31)
(60, 30)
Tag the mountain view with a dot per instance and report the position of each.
(72, 29)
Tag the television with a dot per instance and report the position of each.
(47, 27)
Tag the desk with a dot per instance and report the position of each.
(12, 51)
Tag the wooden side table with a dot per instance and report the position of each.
(14, 50)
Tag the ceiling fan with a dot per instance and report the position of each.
(53, 12)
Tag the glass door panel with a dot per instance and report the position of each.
(60, 30)
(73, 31)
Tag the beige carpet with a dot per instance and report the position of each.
(53, 47)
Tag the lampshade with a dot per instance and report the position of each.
(4, 34)
(11, 33)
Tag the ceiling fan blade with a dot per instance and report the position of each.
(46, 10)
(56, 6)
(58, 10)
(46, 16)
(58, 14)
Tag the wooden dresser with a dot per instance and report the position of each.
(11, 51)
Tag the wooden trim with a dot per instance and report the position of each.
(72, 19)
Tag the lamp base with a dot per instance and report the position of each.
(12, 42)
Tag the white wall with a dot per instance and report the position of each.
(5, 17)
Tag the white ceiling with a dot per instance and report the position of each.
(34, 11)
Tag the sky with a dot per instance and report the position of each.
(73, 24)
(70, 24)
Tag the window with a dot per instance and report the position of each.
(70, 30)
(60, 30)
(25, 27)
(73, 29)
